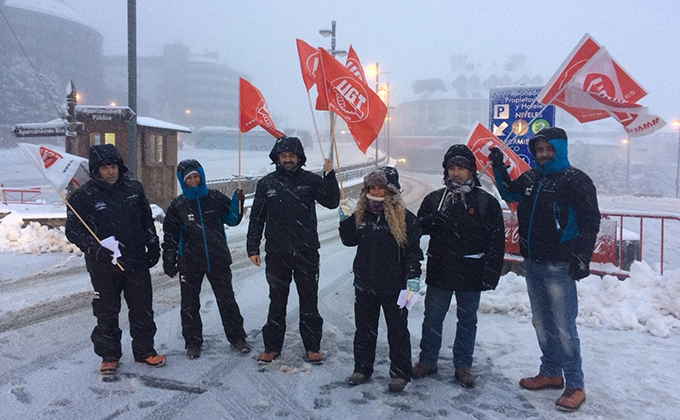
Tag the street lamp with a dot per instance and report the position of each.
(627, 143)
(331, 33)
(676, 123)
(375, 70)
(386, 90)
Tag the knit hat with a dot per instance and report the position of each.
(190, 173)
(547, 134)
(386, 177)
(459, 155)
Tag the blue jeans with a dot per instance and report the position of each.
(554, 307)
(437, 303)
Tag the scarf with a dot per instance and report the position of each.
(375, 204)
(456, 191)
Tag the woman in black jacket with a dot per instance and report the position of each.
(195, 245)
(388, 258)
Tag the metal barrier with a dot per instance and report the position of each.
(614, 244)
(20, 195)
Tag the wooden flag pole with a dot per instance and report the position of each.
(240, 203)
(316, 129)
(334, 144)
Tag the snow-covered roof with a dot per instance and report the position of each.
(154, 123)
(51, 7)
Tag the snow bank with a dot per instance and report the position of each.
(33, 239)
(646, 302)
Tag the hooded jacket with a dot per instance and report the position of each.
(121, 210)
(558, 214)
(194, 237)
(285, 202)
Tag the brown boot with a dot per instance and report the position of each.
(465, 378)
(539, 382)
(157, 360)
(421, 370)
(571, 399)
(108, 367)
(315, 357)
(267, 357)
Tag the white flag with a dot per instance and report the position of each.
(57, 167)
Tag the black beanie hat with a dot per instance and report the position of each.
(459, 155)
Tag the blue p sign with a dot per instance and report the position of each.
(501, 112)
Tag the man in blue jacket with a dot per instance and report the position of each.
(195, 245)
(558, 224)
(285, 201)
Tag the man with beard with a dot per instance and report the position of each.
(114, 205)
(284, 203)
(464, 257)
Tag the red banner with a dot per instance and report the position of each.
(350, 98)
(253, 110)
(354, 65)
(309, 62)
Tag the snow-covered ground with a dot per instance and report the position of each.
(630, 333)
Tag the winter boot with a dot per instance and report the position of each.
(108, 367)
(193, 352)
(357, 378)
(241, 346)
(315, 357)
(421, 370)
(571, 399)
(266, 357)
(156, 360)
(397, 384)
(539, 382)
(465, 378)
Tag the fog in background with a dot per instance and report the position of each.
(411, 40)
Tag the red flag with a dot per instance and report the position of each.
(354, 65)
(603, 88)
(481, 140)
(253, 110)
(350, 98)
(309, 62)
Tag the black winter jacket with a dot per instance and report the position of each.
(380, 265)
(121, 210)
(467, 244)
(285, 201)
(194, 237)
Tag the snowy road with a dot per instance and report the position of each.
(49, 371)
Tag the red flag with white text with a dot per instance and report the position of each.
(253, 110)
(481, 141)
(354, 65)
(309, 62)
(350, 98)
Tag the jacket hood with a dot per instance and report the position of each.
(185, 167)
(558, 139)
(104, 154)
(288, 144)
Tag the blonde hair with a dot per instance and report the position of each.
(395, 214)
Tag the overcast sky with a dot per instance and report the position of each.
(410, 39)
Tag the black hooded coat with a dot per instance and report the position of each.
(285, 201)
(121, 210)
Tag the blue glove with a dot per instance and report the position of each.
(344, 210)
(413, 284)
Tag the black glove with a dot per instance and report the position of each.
(496, 157)
(579, 268)
(99, 253)
(240, 196)
(153, 253)
(170, 269)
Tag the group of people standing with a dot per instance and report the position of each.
(558, 223)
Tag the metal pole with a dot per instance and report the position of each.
(627, 165)
(331, 115)
(132, 87)
(377, 73)
(388, 120)
(677, 170)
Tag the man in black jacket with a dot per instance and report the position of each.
(465, 257)
(558, 220)
(195, 245)
(285, 203)
(114, 205)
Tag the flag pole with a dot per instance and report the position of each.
(334, 144)
(240, 203)
(94, 235)
(316, 129)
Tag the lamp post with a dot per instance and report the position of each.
(334, 52)
(676, 123)
(369, 71)
(627, 143)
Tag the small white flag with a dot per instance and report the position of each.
(57, 167)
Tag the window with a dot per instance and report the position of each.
(110, 138)
(95, 138)
(154, 149)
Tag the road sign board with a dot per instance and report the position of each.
(515, 117)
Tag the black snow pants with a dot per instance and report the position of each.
(190, 289)
(135, 284)
(366, 316)
(281, 268)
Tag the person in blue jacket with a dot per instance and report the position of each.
(558, 220)
(195, 245)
